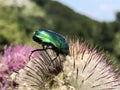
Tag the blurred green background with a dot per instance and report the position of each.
(19, 21)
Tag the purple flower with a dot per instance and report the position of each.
(16, 57)
(3, 81)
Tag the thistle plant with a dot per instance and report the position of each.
(40, 71)
(13, 59)
(85, 68)
(16, 57)
(89, 69)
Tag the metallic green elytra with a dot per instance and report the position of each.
(49, 38)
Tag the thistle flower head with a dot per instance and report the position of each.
(85, 69)
(13, 59)
(89, 69)
(16, 57)
(40, 71)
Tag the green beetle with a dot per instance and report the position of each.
(51, 40)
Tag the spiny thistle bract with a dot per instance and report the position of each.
(84, 69)
(89, 69)
(40, 71)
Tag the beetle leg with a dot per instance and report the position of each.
(43, 46)
(57, 54)
(35, 51)
(54, 59)
(39, 50)
(46, 47)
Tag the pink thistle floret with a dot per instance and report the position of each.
(3, 82)
(13, 59)
(16, 57)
